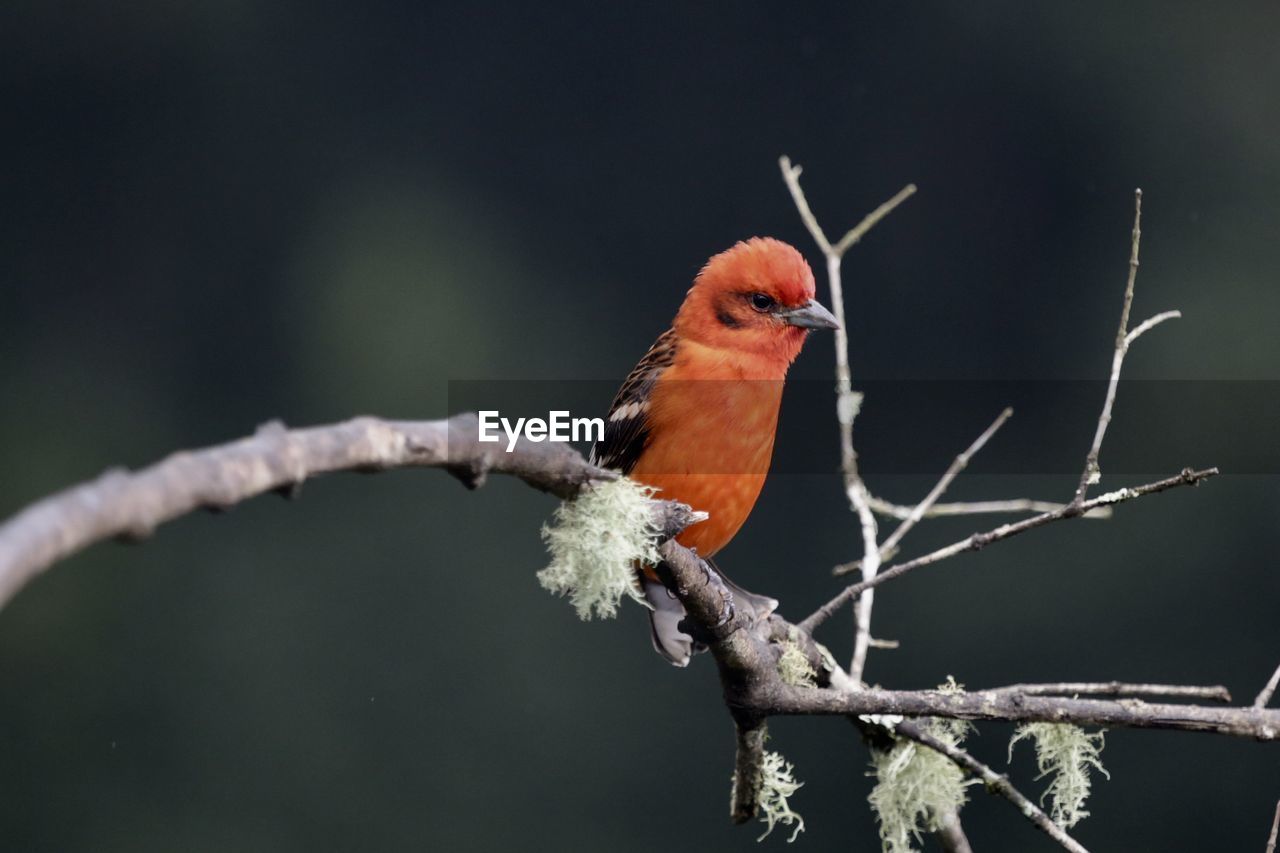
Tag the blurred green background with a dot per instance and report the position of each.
(218, 213)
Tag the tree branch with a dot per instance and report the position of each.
(976, 541)
(846, 401)
(1259, 724)
(746, 650)
(880, 506)
(1092, 473)
(748, 771)
(130, 505)
(1215, 692)
(961, 461)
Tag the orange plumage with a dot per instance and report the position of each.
(697, 416)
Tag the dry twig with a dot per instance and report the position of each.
(1216, 692)
(1264, 696)
(880, 506)
(961, 461)
(846, 401)
(1091, 474)
(1124, 339)
(1187, 477)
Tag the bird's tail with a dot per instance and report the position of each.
(667, 611)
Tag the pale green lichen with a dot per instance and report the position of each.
(777, 785)
(1066, 753)
(917, 787)
(1117, 496)
(596, 541)
(793, 665)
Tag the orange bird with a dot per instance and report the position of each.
(696, 417)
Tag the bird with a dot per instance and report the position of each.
(696, 418)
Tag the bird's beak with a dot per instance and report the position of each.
(810, 315)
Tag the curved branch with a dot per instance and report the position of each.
(130, 505)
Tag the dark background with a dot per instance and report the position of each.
(215, 213)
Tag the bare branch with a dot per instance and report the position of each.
(748, 769)
(995, 782)
(846, 401)
(857, 232)
(1149, 324)
(961, 461)
(131, 505)
(1135, 240)
(746, 653)
(1244, 722)
(870, 565)
(1188, 477)
(1215, 692)
(1275, 829)
(1092, 473)
(880, 506)
(1268, 691)
(791, 175)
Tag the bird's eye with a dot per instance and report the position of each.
(762, 301)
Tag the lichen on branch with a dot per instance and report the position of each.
(1066, 753)
(778, 783)
(917, 788)
(596, 541)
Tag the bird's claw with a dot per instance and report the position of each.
(727, 608)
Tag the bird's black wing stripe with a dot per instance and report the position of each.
(626, 429)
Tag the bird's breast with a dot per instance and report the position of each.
(710, 445)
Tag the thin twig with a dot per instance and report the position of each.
(995, 782)
(857, 232)
(1275, 829)
(1149, 324)
(880, 506)
(846, 401)
(1092, 473)
(1216, 692)
(1268, 691)
(958, 465)
(791, 175)
(870, 566)
(1188, 477)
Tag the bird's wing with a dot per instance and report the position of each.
(626, 430)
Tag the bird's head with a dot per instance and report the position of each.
(756, 298)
